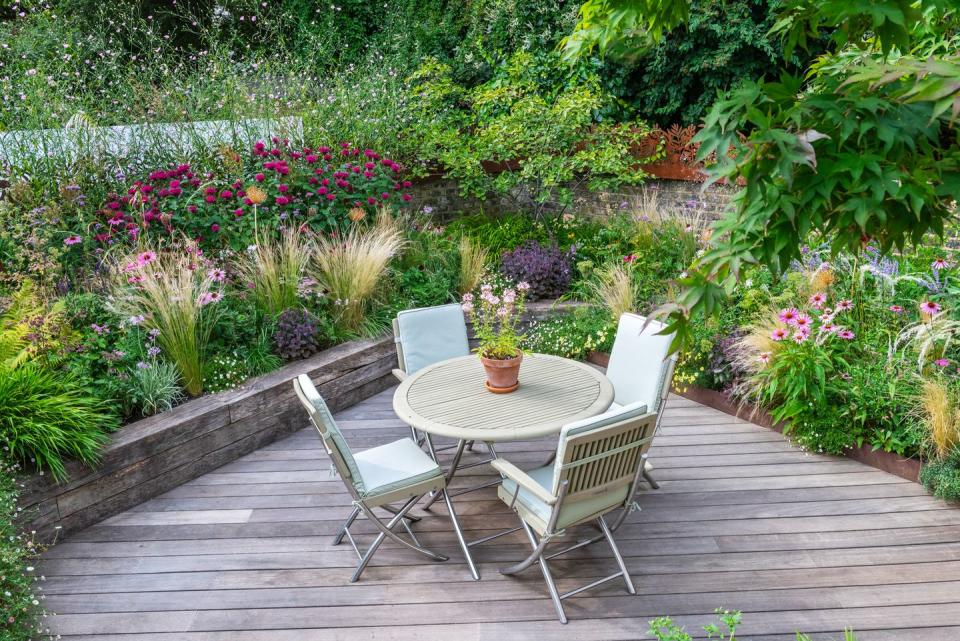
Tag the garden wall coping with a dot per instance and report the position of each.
(156, 454)
(153, 455)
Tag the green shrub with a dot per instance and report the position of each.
(224, 372)
(942, 477)
(547, 142)
(572, 335)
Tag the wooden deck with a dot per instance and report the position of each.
(743, 520)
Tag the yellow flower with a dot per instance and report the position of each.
(256, 195)
(356, 214)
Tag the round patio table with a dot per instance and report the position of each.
(449, 399)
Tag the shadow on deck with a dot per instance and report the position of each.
(743, 520)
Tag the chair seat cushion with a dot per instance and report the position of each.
(393, 466)
(573, 511)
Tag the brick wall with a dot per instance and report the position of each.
(442, 197)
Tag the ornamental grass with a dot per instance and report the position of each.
(941, 416)
(616, 290)
(273, 269)
(350, 268)
(473, 264)
(176, 294)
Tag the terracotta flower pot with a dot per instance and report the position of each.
(502, 374)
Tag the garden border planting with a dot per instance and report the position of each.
(907, 468)
(153, 455)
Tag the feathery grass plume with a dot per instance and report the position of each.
(748, 352)
(177, 297)
(350, 267)
(273, 270)
(386, 221)
(473, 264)
(942, 417)
(646, 206)
(931, 337)
(616, 290)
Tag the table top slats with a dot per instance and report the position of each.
(449, 399)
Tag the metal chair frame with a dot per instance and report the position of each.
(595, 462)
(364, 504)
(669, 366)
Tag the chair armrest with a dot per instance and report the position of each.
(399, 374)
(522, 479)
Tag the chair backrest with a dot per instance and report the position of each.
(639, 367)
(333, 440)
(601, 454)
(429, 335)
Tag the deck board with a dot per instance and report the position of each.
(743, 519)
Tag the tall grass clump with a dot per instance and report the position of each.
(616, 290)
(47, 418)
(942, 417)
(176, 297)
(273, 270)
(350, 268)
(473, 264)
(46, 415)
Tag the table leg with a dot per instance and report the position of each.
(450, 473)
(446, 497)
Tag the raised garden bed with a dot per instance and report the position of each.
(907, 468)
(153, 455)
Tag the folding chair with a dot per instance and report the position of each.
(426, 336)
(598, 464)
(640, 369)
(429, 335)
(376, 478)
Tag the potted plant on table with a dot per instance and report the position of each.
(495, 322)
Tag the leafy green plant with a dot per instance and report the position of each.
(544, 147)
(224, 372)
(664, 629)
(153, 387)
(942, 477)
(823, 152)
(572, 335)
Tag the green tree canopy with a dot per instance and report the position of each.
(862, 147)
